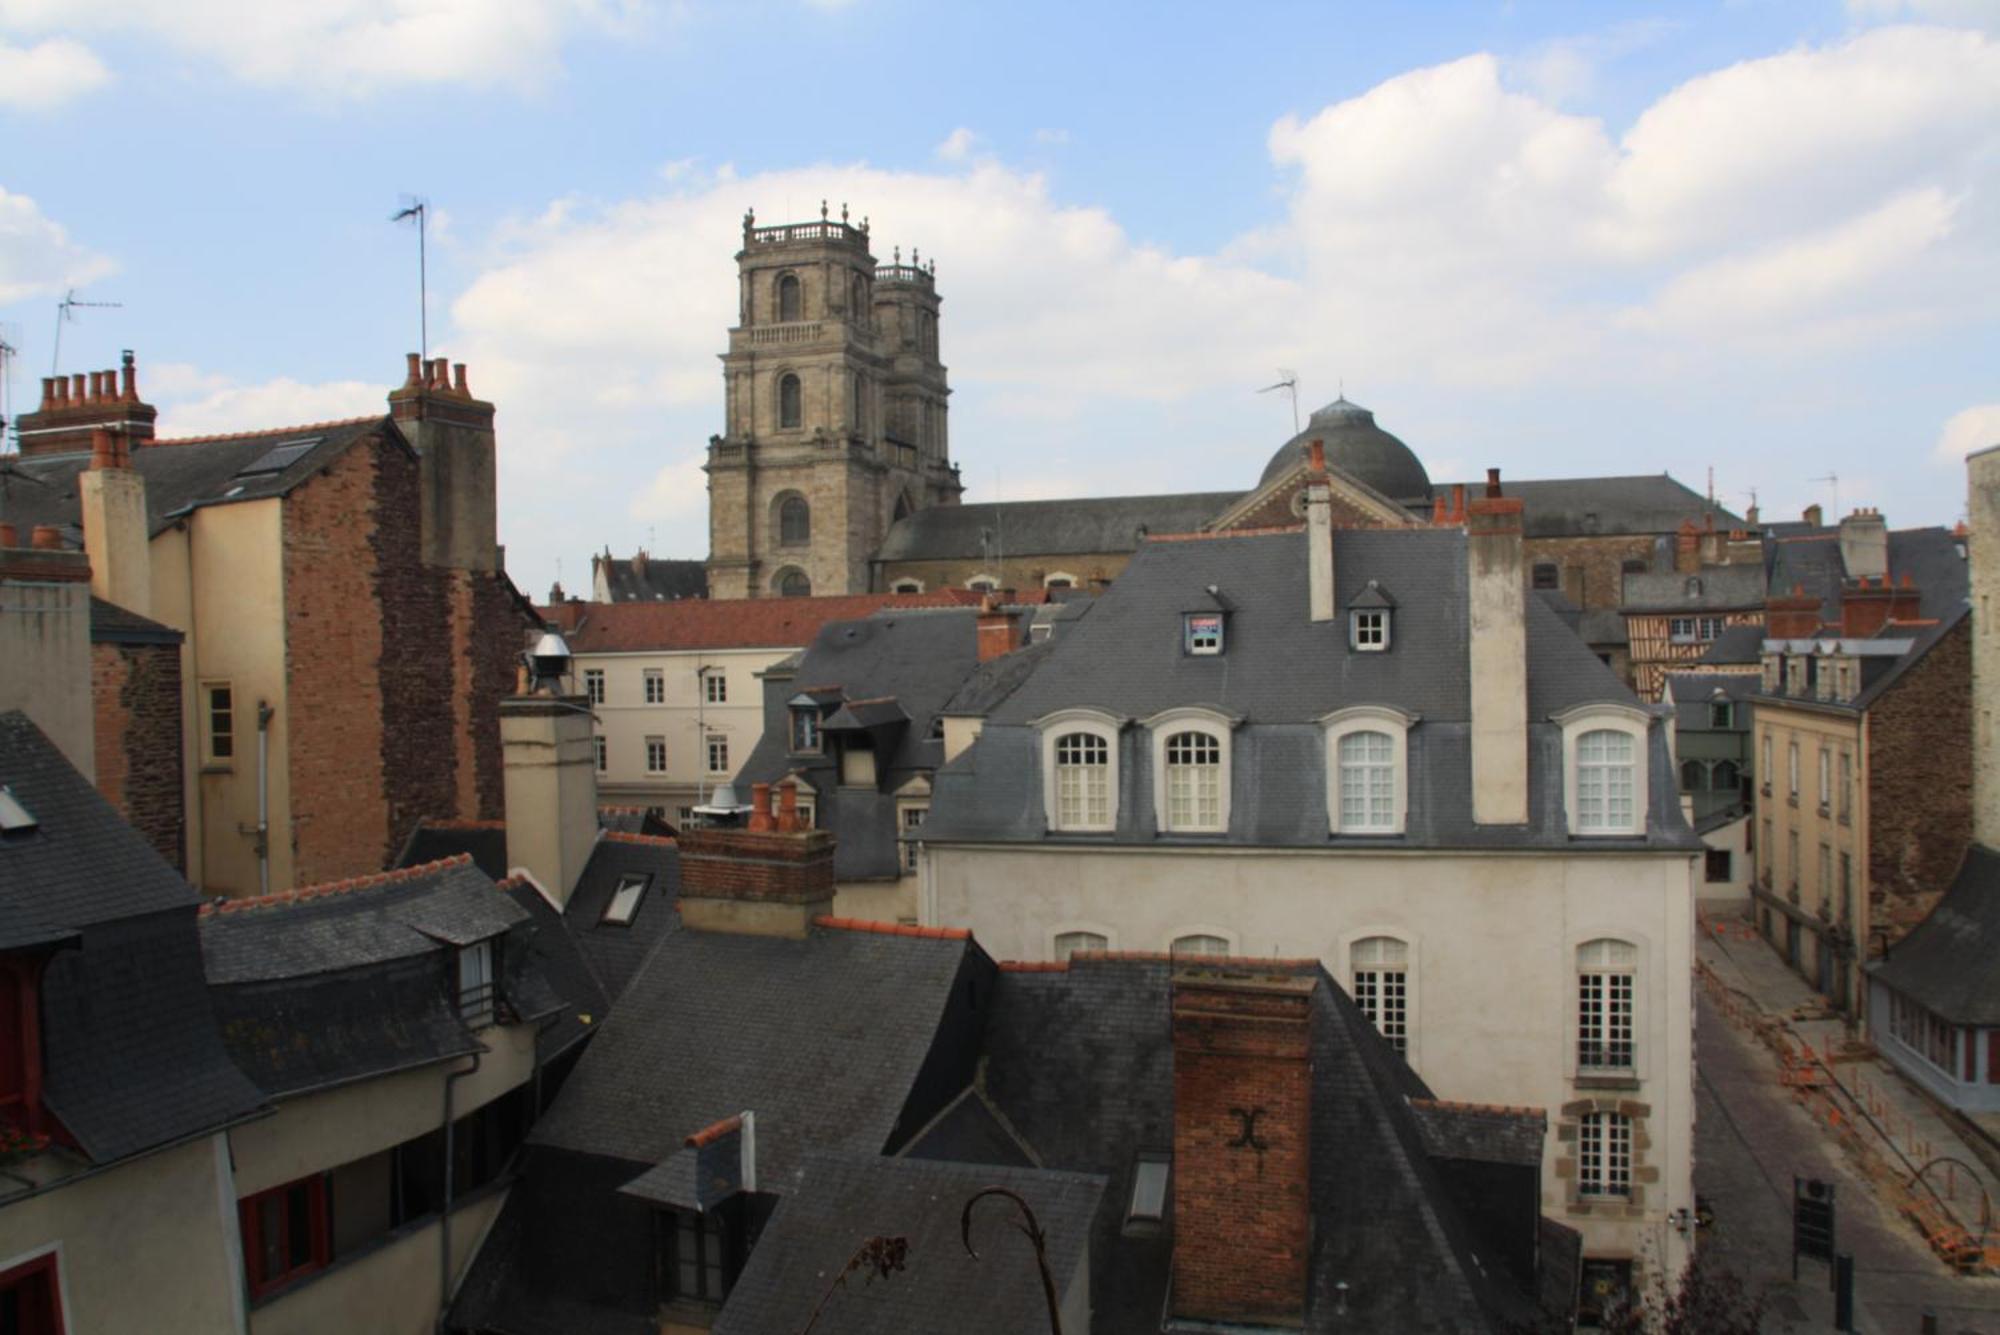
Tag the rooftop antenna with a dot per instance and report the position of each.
(9, 352)
(1832, 479)
(66, 310)
(419, 208)
(1289, 382)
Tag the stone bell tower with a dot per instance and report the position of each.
(835, 402)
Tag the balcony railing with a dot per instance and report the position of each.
(1611, 1059)
(903, 273)
(781, 335)
(806, 231)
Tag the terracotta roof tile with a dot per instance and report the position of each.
(728, 623)
(892, 928)
(306, 893)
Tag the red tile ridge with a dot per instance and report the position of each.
(301, 894)
(1034, 966)
(715, 1131)
(513, 882)
(892, 928)
(623, 811)
(264, 431)
(1506, 1109)
(873, 700)
(1263, 532)
(644, 840)
(468, 823)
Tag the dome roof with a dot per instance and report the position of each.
(1359, 448)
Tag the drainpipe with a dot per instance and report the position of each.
(444, 1219)
(701, 734)
(264, 713)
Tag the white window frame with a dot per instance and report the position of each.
(601, 750)
(1792, 768)
(1371, 638)
(656, 685)
(593, 685)
(626, 897)
(710, 743)
(983, 583)
(656, 748)
(1060, 930)
(1396, 723)
(907, 586)
(1604, 1142)
(1638, 970)
(910, 848)
(1060, 724)
(715, 685)
(1202, 643)
(1369, 997)
(1635, 723)
(1231, 944)
(478, 991)
(1169, 723)
(1060, 579)
(209, 734)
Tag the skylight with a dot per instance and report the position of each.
(625, 899)
(1149, 1188)
(15, 818)
(279, 457)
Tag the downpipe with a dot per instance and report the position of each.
(444, 1218)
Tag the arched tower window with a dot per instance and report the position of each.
(794, 522)
(791, 401)
(859, 301)
(792, 583)
(790, 298)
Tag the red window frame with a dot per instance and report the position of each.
(40, 1281)
(21, 1045)
(318, 1243)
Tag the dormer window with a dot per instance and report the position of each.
(1368, 619)
(1604, 771)
(1080, 769)
(477, 988)
(1203, 631)
(805, 730)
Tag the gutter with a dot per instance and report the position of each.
(444, 1216)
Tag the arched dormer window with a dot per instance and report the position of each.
(1191, 770)
(1604, 768)
(1367, 769)
(1080, 770)
(794, 521)
(983, 583)
(791, 582)
(791, 401)
(791, 298)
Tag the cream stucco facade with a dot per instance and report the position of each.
(1811, 884)
(1492, 964)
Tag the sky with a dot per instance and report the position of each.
(1751, 237)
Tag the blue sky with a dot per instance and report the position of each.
(1560, 239)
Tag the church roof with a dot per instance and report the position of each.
(1358, 447)
(1080, 527)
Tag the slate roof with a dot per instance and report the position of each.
(131, 1056)
(1736, 644)
(827, 1060)
(1359, 448)
(182, 475)
(1481, 1132)
(732, 623)
(547, 974)
(484, 841)
(1281, 673)
(1950, 962)
(839, 1200)
(1563, 507)
(1693, 692)
(1712, 589)
(994, 680)
(616, 951)
(112, 624)
(1014, 530)
(643, 578)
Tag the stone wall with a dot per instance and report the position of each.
(1593, 566)
(1920, 784)
(136, 690)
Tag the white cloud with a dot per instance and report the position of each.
(349, 47)
(37, 256)
(957, 145)
(47, 74)
(194, 402)
(1956, 13)
(1973, 429)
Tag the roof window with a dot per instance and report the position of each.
(279, 457)
(623, 905)
(1149, 1189)
(1368, 617)
(15, 819)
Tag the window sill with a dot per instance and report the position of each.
(217, 767)
(1605, 1080)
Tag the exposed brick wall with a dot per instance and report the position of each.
(1920, 784)
(492, 650)
(757, 866)
(1242, 1141)
(1593, 566)
(136, 690)
(1282, 507)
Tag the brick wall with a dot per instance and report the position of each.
(1242, 1140)
(1920, 784)
(1593, 566)
(136, 692)
(757, 866)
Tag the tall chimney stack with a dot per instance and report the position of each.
(117, 535)
(769, 881)
(549, 774)
(1496, 585)
(1982, 510)
(1242, 1146)
(1864, 544)
(1319, 534)
(73, 407)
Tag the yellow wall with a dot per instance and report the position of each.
(1812, 729)
(390, 1291)
(149, 1245)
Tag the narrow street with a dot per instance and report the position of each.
(1751, 1138)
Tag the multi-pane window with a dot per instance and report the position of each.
(805, 731)
(1767, 762)
(1710, 627)
(1846, 785)
(1825, 779)
(699, 1271)
(1367, 763)
(1604, 1155)
(475, 983)
(1680, 629)
(656, 686)
(795, 584)
(794, 522)
(1368, 631)
(1767, 853)
(1194, 782)
(1792, 769)
(221, 720)
(593, 685)
(717, 687)
(285, 1233)
(1197, 943)
(1381, 973)
(718, 753)
(1204, 632)
(912, 821)
(1083, 781)
(1792, 862)
(1605, 784)
(1604, 973)
(656, 755)
(1068, 943)
(603, 753)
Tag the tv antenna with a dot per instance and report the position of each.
(66, 310)
(9, 353)
(419, 209)
(1289, 382)
(1832, 479)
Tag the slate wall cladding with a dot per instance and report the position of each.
(137, 694)
(1920, 784)
(1242, 1137)
(756, 865)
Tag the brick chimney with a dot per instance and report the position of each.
(452, 433)
(1866, 605)
(1792, 616)
(1864, 544)
(999, 629)
(111, 497)
(45, 640)
(1813, 516)
(1982, 549)
(1242, 1146)
(1319, 534)
(75, 406)
(1687, 548)
(1497, 637)
(550, 775)
(770, 879)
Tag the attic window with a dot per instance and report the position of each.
(1149, 1189)
(278, 458)
(476, 983)
(624, 902)
(1203, 632)
(1368, 630)
(15, 819)
(805, 730)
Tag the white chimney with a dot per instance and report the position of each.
(1496, 587)
(550, 774)
(111, 497)
(1319, 533)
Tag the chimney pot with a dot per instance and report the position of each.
(130, 389)
(1316, 455)
(760, 807)
(788, 809)
(76, 388)
(47, 538)
(458, 381)
(414, 378)
(1492, 482)
(441, 375)
(9, 536)
(49, 383)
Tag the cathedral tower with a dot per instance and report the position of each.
(835, 402)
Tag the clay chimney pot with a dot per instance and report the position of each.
(413, 379)
(76, 387)
(788, 809)
(9, 536)
(130, 390)
(760, 806)
(1316, 456)
(1492, 482)
(49, 383)
(47, 537)
(458, 381)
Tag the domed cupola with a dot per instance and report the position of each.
(1359, 448)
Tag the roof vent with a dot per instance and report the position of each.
(15, 819)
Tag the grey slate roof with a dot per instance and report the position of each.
(826, 1061)
(112, 624)
(131, 1056)
(1693, 692)
(1561, 507)
(1712, 589)
(1950, 962)
(840, 1200)
(649, 578)
(616, 951)
(1736, 644)
(485, 842)
(1483, 1133)
(1018, 529)
(1359, 448)
(994, 680)
(546, 965)
(42, 489)
(1282, 672)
